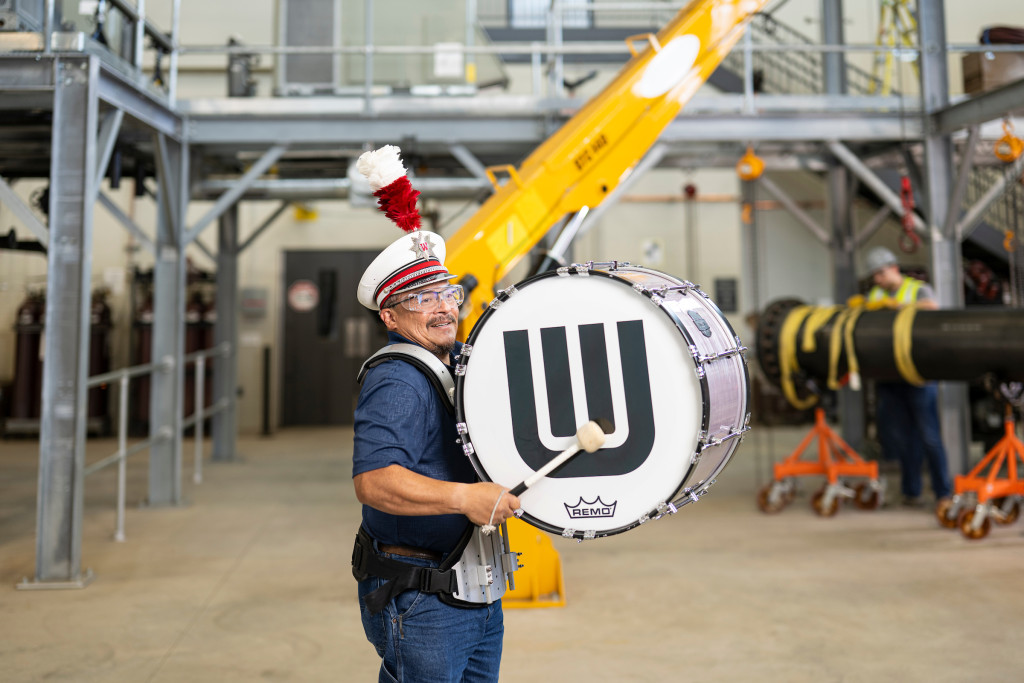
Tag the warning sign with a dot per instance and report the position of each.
(303, 295)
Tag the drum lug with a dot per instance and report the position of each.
(460, 369)
(468, 449)
(462, 428)
(701, 373)
(568, 533)
(589, 535)
(467, 350)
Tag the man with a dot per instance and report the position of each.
(907, 415)
(418, 488)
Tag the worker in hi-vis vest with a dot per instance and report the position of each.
(907, 416)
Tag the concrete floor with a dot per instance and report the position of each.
(250, 581)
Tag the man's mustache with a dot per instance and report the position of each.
(443, 318)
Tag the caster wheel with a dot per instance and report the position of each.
(823, 509)
(947, 513)
(965, 522)
(866, 497)
(1009, 507)
(789, 491)
(771, 504)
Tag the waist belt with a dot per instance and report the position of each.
(400, 576)
(404, 551)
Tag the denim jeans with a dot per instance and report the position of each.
(420, 639)
(908, 429)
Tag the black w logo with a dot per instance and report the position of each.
(562, 413)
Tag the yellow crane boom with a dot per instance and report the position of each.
(598, 147)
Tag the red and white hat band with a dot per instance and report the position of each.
(407, 277)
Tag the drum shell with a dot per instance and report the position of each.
(716, 351)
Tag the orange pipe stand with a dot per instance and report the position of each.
(835, 457)
(988, 486)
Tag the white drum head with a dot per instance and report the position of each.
(564, 350)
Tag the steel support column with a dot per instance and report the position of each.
(947, 267)
(225, 367)
(66, 370)
(749, 243)
(166, 399)
(840, 205)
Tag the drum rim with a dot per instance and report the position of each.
(504, 295)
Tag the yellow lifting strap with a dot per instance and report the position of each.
(902, 341)
(788, 364)
(815, 320)
(840, 338)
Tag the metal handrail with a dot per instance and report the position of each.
(124, 451)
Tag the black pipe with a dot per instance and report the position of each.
(946, 345)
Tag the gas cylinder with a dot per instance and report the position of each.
(27, 392)
(100, 324)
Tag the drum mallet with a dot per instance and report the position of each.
(589, 438)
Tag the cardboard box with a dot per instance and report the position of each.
(982, 73)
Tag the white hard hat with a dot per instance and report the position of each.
(878, 258)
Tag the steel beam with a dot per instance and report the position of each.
(300, 189)
(228, 199)
(946, 258)
(106, 141)
(469, 161)
(166, 398)
(22, 212)
(962, 177)
(68, 277)
(225, 330)
(264, 225)
(750, 301)
(802, 216)
(973, 217)
(979, 109)
(528, 128)
(876, 184)
(126, 222)
(136, 101)
(873, 225)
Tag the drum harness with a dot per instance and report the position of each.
(465, 576)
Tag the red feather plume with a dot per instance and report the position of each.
(398, 202)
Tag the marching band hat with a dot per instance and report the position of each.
(411, 261)
(414, 260)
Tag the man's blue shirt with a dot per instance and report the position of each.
(401, 420)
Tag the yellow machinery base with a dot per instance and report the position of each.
(539, 581)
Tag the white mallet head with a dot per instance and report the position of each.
(590, 437)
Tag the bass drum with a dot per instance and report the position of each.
(650, 353)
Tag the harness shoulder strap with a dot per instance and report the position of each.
(435, 371)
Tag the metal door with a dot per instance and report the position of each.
(327, 336)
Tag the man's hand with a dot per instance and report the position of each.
(476, 501)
